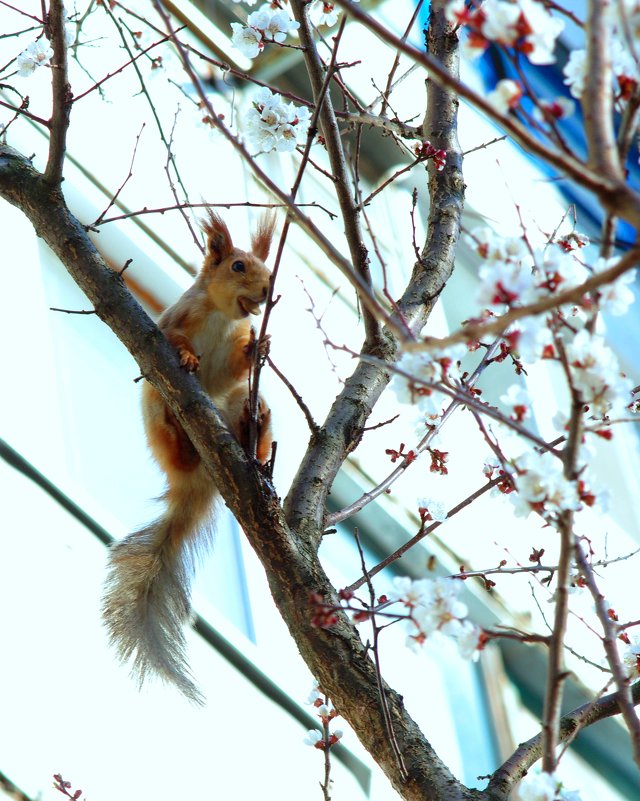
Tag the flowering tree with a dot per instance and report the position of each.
(540, 299)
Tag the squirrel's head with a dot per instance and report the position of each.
(237, 281)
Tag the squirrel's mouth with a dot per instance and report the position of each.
(249, 306)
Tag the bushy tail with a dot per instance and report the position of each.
(147, 595)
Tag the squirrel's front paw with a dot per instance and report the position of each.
(188, 360)
(264, 346)
(261, 346)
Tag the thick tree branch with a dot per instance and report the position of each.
(597, 99)
(336, 656)
(348, 415)
(529, 752)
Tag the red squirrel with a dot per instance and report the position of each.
(146, 602)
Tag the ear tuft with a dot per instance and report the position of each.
(219, 244)
(261, 239)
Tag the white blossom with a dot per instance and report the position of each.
(559, 270)
(557, 109)
(493, 247)
(469, 641)
(518, 400)
(532, 336)
(540, 483)
(631, 657)
(545, 29)
(247, 40)
(264, 25)
(433, 603)
(37, 54)
(616, 297)
(280, 25)
(501, 20)
(314, 694)
(419, 369)
(505, 96)
(505, 283)
(272, 124)
(455, 11)
(596, 374)
(525, 25)
(623, 63)
(312, 737)
(575, 72)
(408, 591)
(436, 509)
(545, 787)
(322, 13)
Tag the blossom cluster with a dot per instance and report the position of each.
(545, 787)
(246, 40)
(624, 16)
(273, 124)
(264, 25)
(524, 25)
(37, 54)
(434, 609)
(507, 96)
(542, 487)
(513, 275)
(326, 712)
(596, 374)
(40, 52)
(417, 374)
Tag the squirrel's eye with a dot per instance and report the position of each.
(238, 267)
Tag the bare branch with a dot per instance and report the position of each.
(597, 99)
(61, 91)
(528, 753)
(626, 698)
(335, 151)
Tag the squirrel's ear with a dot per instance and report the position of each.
(219, 244)
(261, 239)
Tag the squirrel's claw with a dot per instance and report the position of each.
(189, 360)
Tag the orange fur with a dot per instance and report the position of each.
(146, 602)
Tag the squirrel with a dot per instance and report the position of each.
(146, 602)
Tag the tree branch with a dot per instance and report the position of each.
(333, 142)
(615, 195)
(336, 656)
(343, 428)
(528, 753)
(61, 94)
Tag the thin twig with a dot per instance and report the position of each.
(123, 184)
(178, 206)
(313, 426)
(376, 658)
(424, 532)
